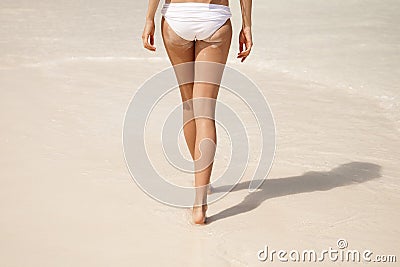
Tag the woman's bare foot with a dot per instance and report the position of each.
(199, 214)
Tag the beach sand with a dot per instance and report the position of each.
(329, 70)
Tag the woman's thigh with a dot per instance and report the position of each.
(210, 58)
(181, 53)
(216, 47)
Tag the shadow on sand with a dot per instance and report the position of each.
(345, 174)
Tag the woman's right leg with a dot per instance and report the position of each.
(211, 56)
(181, 53)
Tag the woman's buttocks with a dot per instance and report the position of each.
(216, 2)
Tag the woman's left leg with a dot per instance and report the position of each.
(214, 52)
(181, 55)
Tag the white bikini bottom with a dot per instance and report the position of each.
(195, 21)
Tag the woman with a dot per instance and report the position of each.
(198, 31)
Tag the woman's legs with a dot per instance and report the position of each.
(182, 56)
(212, 50)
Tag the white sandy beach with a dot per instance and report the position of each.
(330, 71)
